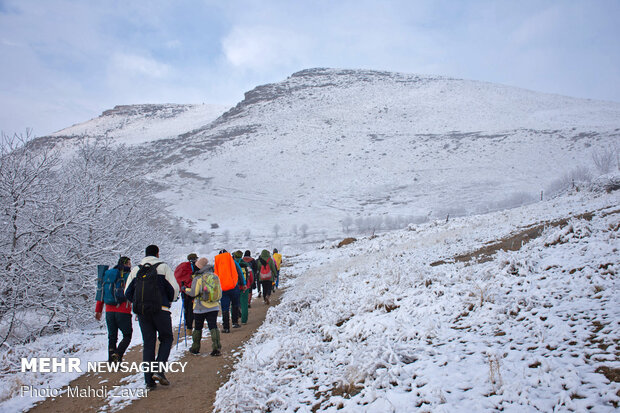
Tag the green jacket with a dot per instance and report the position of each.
(265, 256)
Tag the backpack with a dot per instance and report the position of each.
(147, 298)
(101, 269)
(249, 277)
(183, 274)
(113, 287)
(211, 289)
(265, 272)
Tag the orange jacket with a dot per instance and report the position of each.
(226, 269)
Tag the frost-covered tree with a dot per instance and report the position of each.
(346, 223)
(304, 230)
(61, 219)
(25, 228)
(606, 160)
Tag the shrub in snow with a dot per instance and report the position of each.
(574, 179)
(606, 159)
(608, 183)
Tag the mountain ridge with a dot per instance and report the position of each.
(327, 144)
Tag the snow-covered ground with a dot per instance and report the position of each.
(374, 327)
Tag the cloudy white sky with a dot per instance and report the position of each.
(66, 61)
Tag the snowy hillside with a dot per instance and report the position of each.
(297, 158)
(135, 124)
(324, 145)
(395, 323)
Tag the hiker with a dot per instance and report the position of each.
(266, 274)
(207, 291)
(183, 274)
(117, 309)
(277, 257)
(152, 288)
(245, 286)
(226, 269)
(259, 285)
(247, 257)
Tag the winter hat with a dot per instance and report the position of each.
(247, 253)
(192, 257)
(202, 262)
(237, 254)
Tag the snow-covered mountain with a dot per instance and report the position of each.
(328, 144)
(512, 310)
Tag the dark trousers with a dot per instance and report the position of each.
(118, 321)
(152, 326)
(266, 288)
(211, 317)
(188, 310)
(230, 297)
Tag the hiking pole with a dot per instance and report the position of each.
(180, 321)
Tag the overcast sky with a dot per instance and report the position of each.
(64, 62)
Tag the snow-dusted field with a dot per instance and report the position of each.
(374, 327)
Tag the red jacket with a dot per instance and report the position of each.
(119, 308)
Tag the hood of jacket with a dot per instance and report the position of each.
(265, 255)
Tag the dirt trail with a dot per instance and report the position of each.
(193, 390)
(517, 240)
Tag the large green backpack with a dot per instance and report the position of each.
(211, 289)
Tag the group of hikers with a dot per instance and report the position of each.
(150, 288)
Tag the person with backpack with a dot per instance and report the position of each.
(246, 286)
(117, 308)
(183, 274)
(226, 269)
(151, 287)
(277, 257)
(207, 292)
(247, 257)
(266, 274)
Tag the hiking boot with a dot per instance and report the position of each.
(267, 300)
(259, 294)
(236, 325)
(226, 320)
(114, 358)
(194, 352)
(216, 353)
(226, 330)
(159, 377)
(151, 385)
